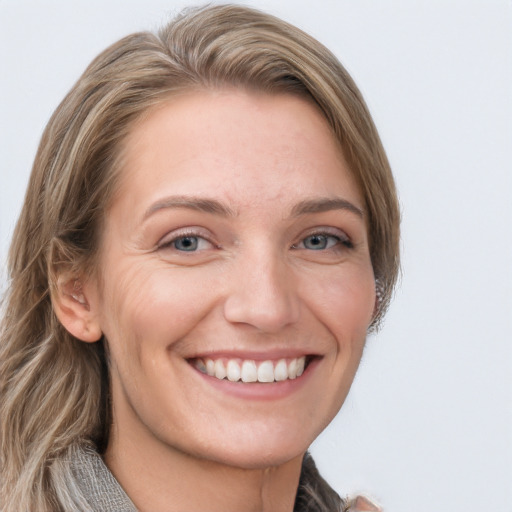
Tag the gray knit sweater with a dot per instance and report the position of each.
(97, 484)
(104, 494)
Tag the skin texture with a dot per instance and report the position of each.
(230, 170)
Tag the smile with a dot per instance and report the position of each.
(249, 370)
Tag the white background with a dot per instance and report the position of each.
(428, 424)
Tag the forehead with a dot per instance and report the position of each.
(246, 147)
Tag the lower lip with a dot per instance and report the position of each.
(261, 390)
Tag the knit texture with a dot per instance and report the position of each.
(96, 482)
(104, 493)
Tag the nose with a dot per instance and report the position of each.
(263, 294)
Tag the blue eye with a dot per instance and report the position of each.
(186, 243)
(320, 242)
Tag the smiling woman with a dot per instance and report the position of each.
(209, 233)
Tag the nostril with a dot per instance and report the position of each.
(267, 311)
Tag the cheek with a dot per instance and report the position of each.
(154, 307)
(345, 308)
(344, 300)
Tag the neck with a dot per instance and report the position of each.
(159, 478)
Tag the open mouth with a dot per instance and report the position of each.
(250, 370)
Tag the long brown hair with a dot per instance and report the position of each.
(54, 389)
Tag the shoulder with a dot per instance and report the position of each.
(362, 504)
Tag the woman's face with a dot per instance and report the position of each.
(236, 245)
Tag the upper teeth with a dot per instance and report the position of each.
(248, 370)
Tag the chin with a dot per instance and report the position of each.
(258, 459)
(268, 447)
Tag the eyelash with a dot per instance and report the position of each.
(171, 244)
(340, 240)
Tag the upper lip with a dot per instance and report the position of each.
(257, 355)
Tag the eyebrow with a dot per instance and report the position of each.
(193, 203)
(325, 205)
(216, 207)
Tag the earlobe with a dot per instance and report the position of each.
(76, 309)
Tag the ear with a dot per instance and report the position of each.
(76, 306)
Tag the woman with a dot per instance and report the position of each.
(210, 230)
